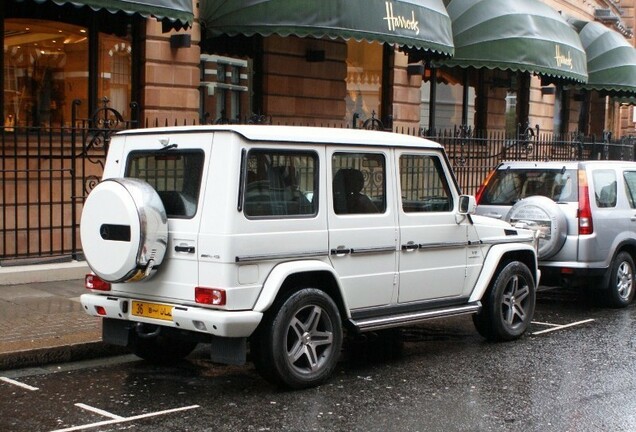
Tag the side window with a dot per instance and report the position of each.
(280, 183)
(423, 183)
(175, 175)
(605, 188)
(359, 183)
(630, 185)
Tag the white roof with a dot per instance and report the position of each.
(561, 164)
(319, 135)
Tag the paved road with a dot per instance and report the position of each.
(575, 371)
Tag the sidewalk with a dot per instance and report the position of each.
(43, 322)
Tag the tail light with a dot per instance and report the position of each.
(482, 188)
(586, 225)
(93, 282)
(210, 296)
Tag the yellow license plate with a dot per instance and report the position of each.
(152, 310)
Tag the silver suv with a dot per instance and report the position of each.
(586, 212)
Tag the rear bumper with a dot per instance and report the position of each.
(196, 319)
(572, 276)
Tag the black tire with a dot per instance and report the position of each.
(508, 305)
(620, 284)
(161, 349)
(542, 214)
(299, 341)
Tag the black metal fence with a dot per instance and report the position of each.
(474, 155)
(46, 173)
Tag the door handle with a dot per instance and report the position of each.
(340, 251)
(493, 215)
(410, 247)
(188, 249)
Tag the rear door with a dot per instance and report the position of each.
(175, 165)
(362, 224)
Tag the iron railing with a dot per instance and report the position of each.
(473, 155)
(46, 173)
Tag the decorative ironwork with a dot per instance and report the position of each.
(259, 119)
(373, 123)
(607, 136)
(464, 133)
(104, 122)
(527, 137)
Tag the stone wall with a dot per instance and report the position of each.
(170, 76)
(299, 91)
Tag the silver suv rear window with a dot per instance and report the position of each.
(510, 185)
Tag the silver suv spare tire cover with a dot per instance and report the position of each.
(124, 230)
(542, 214)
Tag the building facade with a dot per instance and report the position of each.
(72, 70)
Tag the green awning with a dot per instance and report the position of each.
(422, 24)
(611, 60)
(179, 11)
(517, 35)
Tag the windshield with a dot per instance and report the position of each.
(510, 185)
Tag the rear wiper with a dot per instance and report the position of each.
(168, 147)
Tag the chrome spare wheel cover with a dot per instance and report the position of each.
(124, 230)
(541, 214)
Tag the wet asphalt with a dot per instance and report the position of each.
(442, 377)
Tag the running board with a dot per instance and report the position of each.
(384, 322)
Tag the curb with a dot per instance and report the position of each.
(17, 275)
(61, 354)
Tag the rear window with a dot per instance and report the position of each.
(175, 175)
(510, 185)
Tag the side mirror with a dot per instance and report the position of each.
(467, 204)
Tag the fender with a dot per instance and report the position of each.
(495, 254)
(278, 275)
(625, 245)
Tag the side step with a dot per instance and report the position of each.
(384, 322)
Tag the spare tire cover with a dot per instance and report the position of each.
(124, 230)
(542, 214)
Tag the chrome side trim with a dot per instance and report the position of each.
(379, 323)
(270, 257)
(382, 249)
(429, 246)
(515, 239)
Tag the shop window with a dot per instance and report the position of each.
(449, 102)
(364, 82)
(46, 68)
(511, 113)
(46, 63)
(115, 72)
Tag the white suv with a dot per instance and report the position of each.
(586, 212)
(283, 238)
